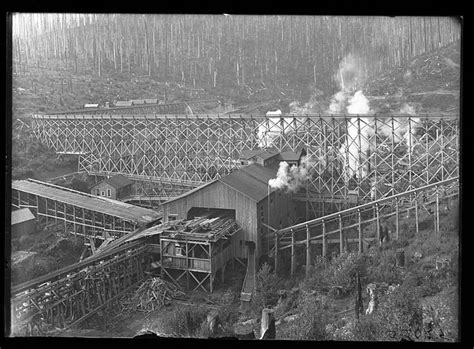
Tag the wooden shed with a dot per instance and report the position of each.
(246, 194)
(116, 187)
(263, 157)
(23, 222)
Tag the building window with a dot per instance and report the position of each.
(97, 191)
(109, 194)
(102, 193)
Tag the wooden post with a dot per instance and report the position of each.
(341, 241)
(84, 223)
(46, 208)
(37, 207)
(187, 267)
(65, 218)
(416, 215)
(308, 252)
(276, 253)
(74, 218)
(358, 300)
(267, 329)
(324, 239)
(397, 220)
(211, 277)
(360, 229)
(293, 256)
(55, 212)
(437, 211)
(378, 222)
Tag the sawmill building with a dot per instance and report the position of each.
(246, 195)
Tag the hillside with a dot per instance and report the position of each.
(429, 82)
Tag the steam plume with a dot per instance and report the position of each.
(292, 178)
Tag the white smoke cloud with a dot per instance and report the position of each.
(358, 104)
(273, 128)
(292, 178)
(282, 178)
(357, 147)
(338, 102)
(354, 144)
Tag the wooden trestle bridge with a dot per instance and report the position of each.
(347, 227)
(62, 299)
(397, 166)
(372, 156)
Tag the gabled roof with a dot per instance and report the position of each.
(251, 181)
(292, 155)
(117, 181)
(261, 153)
(21, 215)
(191, 191)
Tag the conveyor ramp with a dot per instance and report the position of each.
(248, 287)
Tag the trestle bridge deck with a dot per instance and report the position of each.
(371, 155)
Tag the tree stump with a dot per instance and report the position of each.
(267, 329)
(212, 321)
(400, 258)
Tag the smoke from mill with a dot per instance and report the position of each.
(292, 178)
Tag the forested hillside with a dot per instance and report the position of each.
(225, 52)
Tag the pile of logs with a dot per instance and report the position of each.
(152, 294)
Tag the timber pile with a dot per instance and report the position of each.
(151, 295)
(429, 82)
(203, 228)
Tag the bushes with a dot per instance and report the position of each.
(266, 288)
(367, 329)
(185, 322)
(382, 267)
(311, 325)
(399, 315)
(343, 269)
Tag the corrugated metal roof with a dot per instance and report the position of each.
(190, 192)
(261, 153)
(118, 181)
(251, 181)
(87, 201)
(290, 155)
(22, 215)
